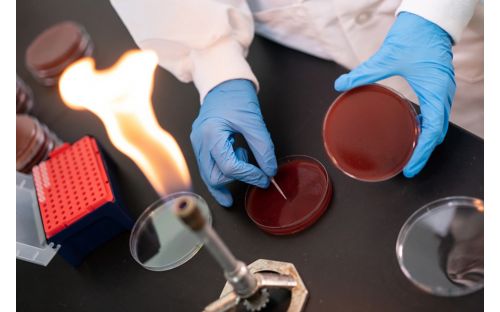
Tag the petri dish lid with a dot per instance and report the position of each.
(370, 132)
(440, 248)
(54, 45)
(305, 183)
(31, 244)
(159, 240)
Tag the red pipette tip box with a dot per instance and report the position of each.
(75, 195)
(71, 184)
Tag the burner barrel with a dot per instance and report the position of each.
(235, 271)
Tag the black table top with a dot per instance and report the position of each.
(347, 259)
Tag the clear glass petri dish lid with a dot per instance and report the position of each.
(159, 241)
(440, 248)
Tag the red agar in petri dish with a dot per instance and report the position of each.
(34, 142)
(305, 183)
(55, 49)
(370, 132)
(24, 97)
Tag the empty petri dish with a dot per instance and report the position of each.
(440, 248)
(159, 240)
(370, 132)
(56, 48)
(305, 183)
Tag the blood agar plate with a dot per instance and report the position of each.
(24, 97)
(370, 132)
(159, 240)
(440, 248)
(55, 49)
(305, 183)
(34, 142)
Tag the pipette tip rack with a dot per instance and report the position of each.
(78, 200)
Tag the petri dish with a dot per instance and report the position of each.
(440, 248)
(370, 132)
(307, 186)
(24, 97)
(56, 48)
(34, 142)
(159, 241)
(31, 143)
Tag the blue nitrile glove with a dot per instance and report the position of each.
(420, 52)
(229, 108)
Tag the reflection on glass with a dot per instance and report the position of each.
(159, 241)
(441, 246)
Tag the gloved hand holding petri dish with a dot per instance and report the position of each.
(370, 132)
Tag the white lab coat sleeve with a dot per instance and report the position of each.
(451, 15)
(204, 41)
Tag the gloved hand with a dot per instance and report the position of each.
(420, 52)
(229, 108)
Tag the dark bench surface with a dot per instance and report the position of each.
(347, 259)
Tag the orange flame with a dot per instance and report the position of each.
(121, 97)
